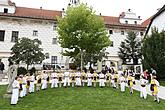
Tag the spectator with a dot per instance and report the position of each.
(2, 67)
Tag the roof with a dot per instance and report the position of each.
(24, 12)
(155, 16)
(146, 22)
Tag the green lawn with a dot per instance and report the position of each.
(81, 99)
(162, 83)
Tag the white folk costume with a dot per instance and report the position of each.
(78, 79)
(89, 79)
(66, 79)
(95, 75)
(54, 78)
(21, 86)
(73, 78)
(31, 88)
(83, 78)
(38, 84)
(15, 92)
(44, 81)
(143, 91)
(122, 83)
(101, 80)
(24, 82)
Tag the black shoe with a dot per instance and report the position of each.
(155, 100)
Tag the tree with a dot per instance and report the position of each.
(28, 51)
(130, 49)
(82, 32)
(153, 51)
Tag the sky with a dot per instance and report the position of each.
(143, 8)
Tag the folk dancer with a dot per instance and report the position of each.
(95, 75)
(60, 77)
(83, 78)
(38, 83)
(108, 77)
(78, 79)
(15, 91)
(24, 83)
(89, 79)
(113, 80)
(27, 83)
(122, 83)
(66, 79)
(130, 83)
(32, 79)
(21, 86)
(143, 83)
(116, 80)
(54, 78)
(44, 81)
(101, 80)
(73, 78)
(154, 89)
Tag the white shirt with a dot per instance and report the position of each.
(101, 76)
(66, 74)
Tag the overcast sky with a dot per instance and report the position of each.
(143, 8)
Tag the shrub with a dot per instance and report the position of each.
(21, 70)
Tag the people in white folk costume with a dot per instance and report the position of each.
(38, 82)
(95, 75)
(83, 78)
(143, 89)
(54, 78)
(73, 78)
(15, 91)
(89, 79)
(32, 79)
(21, 86)
(44, 80)
(78, 79)
(122, 80)
(60, 77)
(28, 78)
(66, 78)
(101, 79)
(24, 82)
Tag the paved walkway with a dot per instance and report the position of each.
(161, 93)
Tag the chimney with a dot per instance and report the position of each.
(129, 10)
(41, 8)
(139, 17)
(100, 14)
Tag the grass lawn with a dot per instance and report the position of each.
(81, 99)
(162, 83)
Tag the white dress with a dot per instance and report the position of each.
(89, 80)
(122, 83)
(66, 78)
(44, 81)
(15, 92)
(32, 79)
(54, 80)
(78, 79)
(143, 92)
(101, 80)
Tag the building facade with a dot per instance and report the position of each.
(17, 22)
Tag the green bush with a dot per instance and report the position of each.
(21, 70)
(32, 70)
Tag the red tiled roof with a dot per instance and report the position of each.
(146, 22)
(34, 13)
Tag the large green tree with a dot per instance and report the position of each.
(153, 51)
(81, 31)
(28, 51)
(130, 49)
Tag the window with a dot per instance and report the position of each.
(2, 35)
(35, 33)
(111, 44)
(5, 10)
(55, 27)
(141, 33)
(54, 41)
(122, 32)
(135, 22)
(54, 60)
(126, 22)
(47, 55)
(110, 31)
(14, 37)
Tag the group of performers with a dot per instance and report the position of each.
(25, 84)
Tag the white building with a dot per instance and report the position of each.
(17, 22)
(158, 21)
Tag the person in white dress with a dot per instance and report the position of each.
(78, 79)
(15, 91)
(32, 79)
(54, 78)
(24, 82)
(44, 81)
(101, 80)
(122, 80)
(143, 91)
(89, 79)
(66, 79)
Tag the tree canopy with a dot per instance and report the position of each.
(82, 30)
(28, 51)
(130, 49)
(153, 51)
